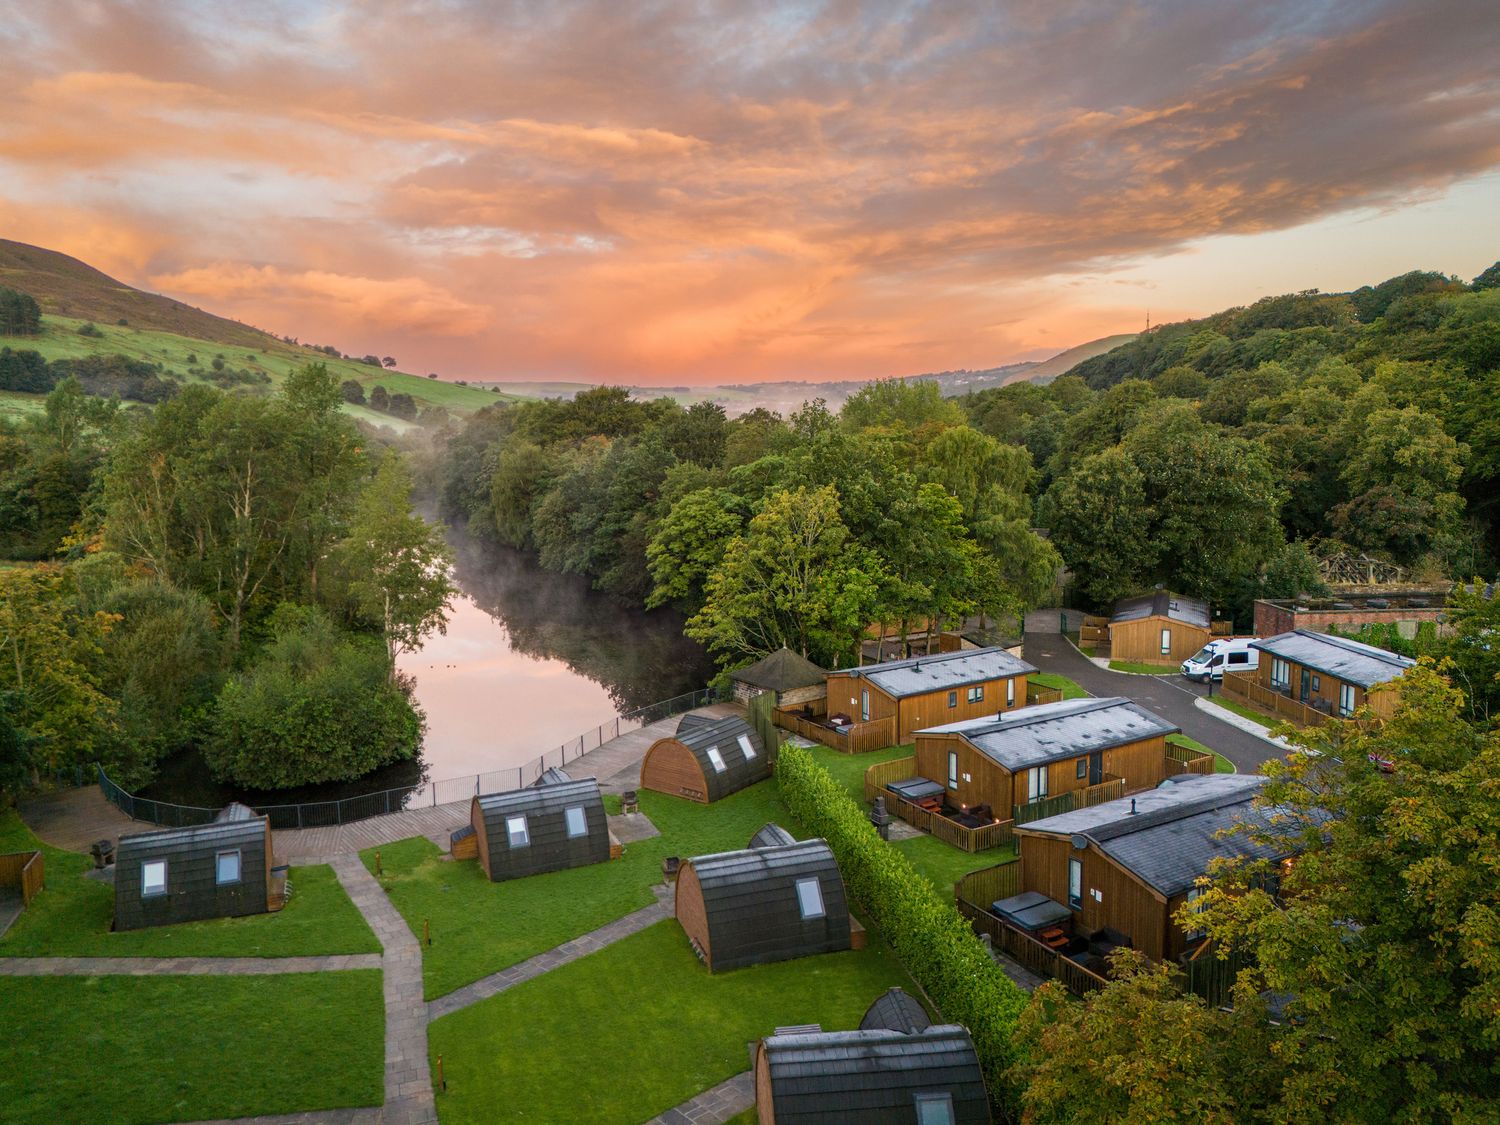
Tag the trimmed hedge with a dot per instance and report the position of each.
(938, 947)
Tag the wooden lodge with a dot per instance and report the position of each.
(897, 1069)
(793, 680)
(547, 827)
(1160, 628)
(1000, 764)
(1115, 874)
(218, 870)
(909, 695)
(765, 903)
(1309, 677)
(707, 759)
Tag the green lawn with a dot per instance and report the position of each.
(1069, 688)
(15, 405)
(1221, 763)
(71, 917)
(849, 769)
(132, 1049)
(1243, 712)
(1142, 669)
(637, 1028)
(479, 927)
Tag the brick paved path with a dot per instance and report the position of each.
(715, 1105)
(582, 946)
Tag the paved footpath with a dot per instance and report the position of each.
(554, 958)
(182, 966)
(715, 1105)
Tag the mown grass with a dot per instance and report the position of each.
(1243, 712)
(71, 917)
(131, 1049)
(1221, 763)
(1069, 688)
(479, 927)
(637, 1028)
(1138, 669)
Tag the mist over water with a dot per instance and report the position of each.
(532, 659)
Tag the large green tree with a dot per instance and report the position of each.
(1101, 526)
(690, 543)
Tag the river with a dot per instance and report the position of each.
(530, 660)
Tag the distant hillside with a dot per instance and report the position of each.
(1064, 362)
(65, 286)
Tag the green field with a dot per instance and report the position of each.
(1221, 763)
(125, 1049)
(14, 405)
(1068, 687)
(59, 339)
(637, 1028)
(71, 917)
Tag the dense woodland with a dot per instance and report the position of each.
(228, 571)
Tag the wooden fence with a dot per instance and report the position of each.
(881, 774)
(857, 738)
(989, 884)
(1190, 761)
(1243, 688)
(1035, 696)
(980, 839)
(1094, 631)
(1111, 788)
(1022, 947)
(25, 870)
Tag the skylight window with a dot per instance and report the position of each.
(153, 878)
(934, 1108)
(716, 758)
(747, 747)
(515, 828)
(578, 824)
(810, 898)
(227, 868)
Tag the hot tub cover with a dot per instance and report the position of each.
(1030, 910)
(915, 788)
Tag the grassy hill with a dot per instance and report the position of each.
(161, 330)
(1064, 362)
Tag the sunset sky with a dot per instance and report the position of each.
(710, 192)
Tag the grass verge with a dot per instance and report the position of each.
(1243, 712)
(129, 1049)
(479, 927)
(1136, 669)
(672, 1029)
(71, 917)
(1069, 688)
(1221, 763)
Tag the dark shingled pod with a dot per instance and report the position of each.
(895, 1011)
(696, 736)
(191, 855)
(549, 847)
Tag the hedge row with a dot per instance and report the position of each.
(936, 944)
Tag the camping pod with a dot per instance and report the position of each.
(706, 760)
(763, 904)
(543, 828)
(216, 870)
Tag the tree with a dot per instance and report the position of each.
(353, 391)
(916, 407)
(690, 543)
(1489, 279)
(396, 565)
(316, 706)
(402, 405)
(1101, 526)
(1467, 647)
(1384, 934)
(380, 399)
(1141, 1050)
(15, 749)
(20, 315)
(388, 361)
(791, 580)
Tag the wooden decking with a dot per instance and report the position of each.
(75, 818)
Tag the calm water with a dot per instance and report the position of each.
(530, 661)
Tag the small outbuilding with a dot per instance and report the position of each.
(543, 828)
(706, 760)
(794, 680)
(1159, 628)
(914, 1074)
(767, 903)
(216, 870)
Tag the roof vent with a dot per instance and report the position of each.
(1132, 806)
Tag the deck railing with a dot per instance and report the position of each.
(1035, 696)
(881, 774)
(323, 814)
(856, 738)
(1244, 688)
(1109, 788)
(1189, 760)
(1039, 958)
(989, 884)
(27, 871)
(994, 835)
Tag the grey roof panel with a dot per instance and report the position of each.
(1348, 660)
(552, 776)
(895, 1011)
(558, 795)
(1163, 603)
(1032, 736)
(922, 674)
(772, 836)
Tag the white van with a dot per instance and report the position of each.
(1209, 662)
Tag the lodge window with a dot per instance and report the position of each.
(747, 747)
(953, 699)
(578, 822)
(1346, 699)
(153, 878)
(934, 1108)
(976, 694)
(810, 898)
(1195, 908)
(516, 830)
(1075, 884)
(864, 705)
(1036, 783)
(952, 769)
(1083, 768)
(227, 868)
(1166, 642)
(1010, 693)
(716, 758)
(1317, 683)
(1281, 673)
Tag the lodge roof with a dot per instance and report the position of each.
(1168, 836)
(783, 670)
(941, 671)
(1163, 603)
(873, 1075)
(772, 836)
(218, 833)
(1033, 736)
(895, 1010)
(540, 798)
(1349, 660)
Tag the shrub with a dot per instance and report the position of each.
(936, 944)
(89, 329)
